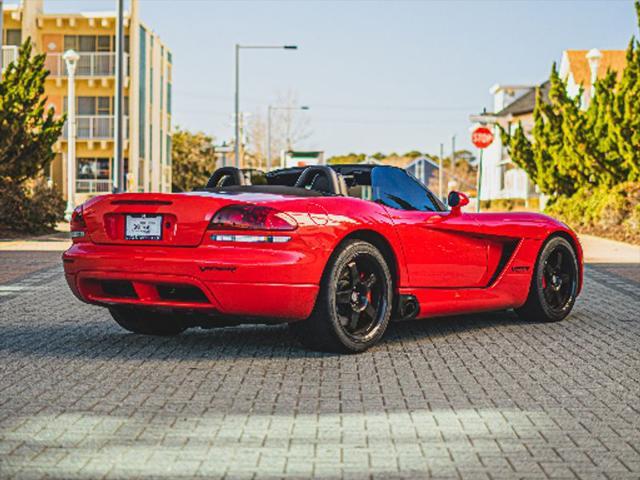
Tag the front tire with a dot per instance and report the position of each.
(147, 322)
(353, 307)
(554, 284)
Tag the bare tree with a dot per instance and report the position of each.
(289, 126)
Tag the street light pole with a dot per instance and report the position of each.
(453, 157)
(269, 110)
(440, 172)
(237, 109)
(71, 60)
(118, 160)
(237, 90)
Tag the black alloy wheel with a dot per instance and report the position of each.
(554, 285)
(559, 278)
(354, 303)
(359, 297)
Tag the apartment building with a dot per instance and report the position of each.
(147, 93)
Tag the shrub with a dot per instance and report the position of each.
(610, 212)
(30, 207)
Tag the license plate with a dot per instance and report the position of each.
(143, 227)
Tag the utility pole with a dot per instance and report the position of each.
(479, 188)
(440, 172)
(240, 137)
(289, 111)
(236, 100)
(269, 108)
(453, 157)
(119, 184)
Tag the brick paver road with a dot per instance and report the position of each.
(483, 396)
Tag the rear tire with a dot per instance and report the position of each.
(554, 283)
(147, 322)
(354, 304)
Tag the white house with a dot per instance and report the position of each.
(514, 105)
(580, 69)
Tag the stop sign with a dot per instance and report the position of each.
(482, 137)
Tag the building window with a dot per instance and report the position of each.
(101, 106)
(13, 37)
(80, 43)
(104, 43)
(168, 149)
(93, 43)
(93, 175)
(94, 168)
(169, 98)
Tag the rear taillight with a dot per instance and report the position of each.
(251, 217)
(78, 226)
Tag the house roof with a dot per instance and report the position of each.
(526, 103)
(579, 65)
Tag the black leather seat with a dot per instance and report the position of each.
(226, 177)
(321, 178)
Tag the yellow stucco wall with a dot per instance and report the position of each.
(48, 31)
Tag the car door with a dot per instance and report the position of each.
(440, 250)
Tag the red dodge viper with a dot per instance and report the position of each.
(336, 252)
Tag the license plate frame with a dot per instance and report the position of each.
(143, 227)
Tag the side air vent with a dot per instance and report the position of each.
(507, 252)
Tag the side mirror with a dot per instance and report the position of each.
(456, 201)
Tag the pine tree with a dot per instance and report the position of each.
(27, 131)
(574, 148)
(626, 110)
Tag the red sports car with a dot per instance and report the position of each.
(336, 252)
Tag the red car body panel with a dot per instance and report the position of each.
(451, 262)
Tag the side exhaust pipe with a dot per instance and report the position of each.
(408, 307)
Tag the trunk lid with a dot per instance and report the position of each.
(184, 217)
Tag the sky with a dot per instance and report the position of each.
(381, 76)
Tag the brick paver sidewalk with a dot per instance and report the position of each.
(484, 396)
(22, 257)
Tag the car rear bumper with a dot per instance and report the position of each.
(236, 281)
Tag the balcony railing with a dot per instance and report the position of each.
(96, 127)
(9, 54)
(90, 64)
(93, 186)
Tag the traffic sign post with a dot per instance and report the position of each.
(481, 137)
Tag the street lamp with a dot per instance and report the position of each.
(119, 183)
(269, 110)
(237, 93)
(71, 60)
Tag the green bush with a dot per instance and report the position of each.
(610, 212)
(30, 207)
